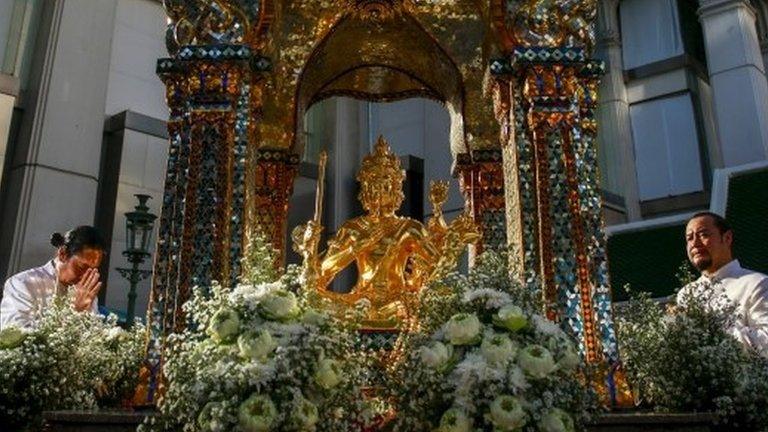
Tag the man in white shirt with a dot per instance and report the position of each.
(78, 256)
(709, 242)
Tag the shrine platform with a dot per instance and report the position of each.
(119, 421)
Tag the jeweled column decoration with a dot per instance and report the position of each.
(275, 172)
(481, 178)
(202, 224)
(554, 92)
(521, 194)
(210, 80)
(547, 96)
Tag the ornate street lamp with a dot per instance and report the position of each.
(138, 231)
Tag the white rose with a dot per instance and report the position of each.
(328, 374)
(305, 414)
(257, 414)
(511, 317)
(498, 349)
(280, 305)
(12, 337)
(570, 359)
(115, 334)
(454, 420)
(224, 325)
(205, 419)
(244, 288)
(314, 317)
(556, 420)
(256, 345)
(507, 413)
(463, 329)
(547, 327)
(436, 354)
(536, 361)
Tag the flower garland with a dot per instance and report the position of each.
(71, 360)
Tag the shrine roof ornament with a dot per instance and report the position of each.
(378, 10)
(518, 23)
(545, 23)
(210, 22)
(519, 85)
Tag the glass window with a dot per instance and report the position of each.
(666, 147)
(650, 31)
(690, 27)
(19, 21)
(6, 18)
(761, 8)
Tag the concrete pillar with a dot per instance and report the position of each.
(52, 178)
(737, 77)
(616, 148)
(347, 143)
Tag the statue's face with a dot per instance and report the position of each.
(381, 198)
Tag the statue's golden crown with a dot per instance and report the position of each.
(381, 165)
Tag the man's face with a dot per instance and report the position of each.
(74, 267)
(708, 248)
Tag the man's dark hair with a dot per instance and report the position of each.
(720, 222)
(78, 239)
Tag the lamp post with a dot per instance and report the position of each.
(138, 230)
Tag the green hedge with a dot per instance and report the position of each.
(647, 260)
(747, 212)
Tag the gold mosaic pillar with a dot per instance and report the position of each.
(481, 178)
(213, 80)
(202, 223)
(546, 101)
(272, 188)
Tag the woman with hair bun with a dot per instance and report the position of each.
(78, 255)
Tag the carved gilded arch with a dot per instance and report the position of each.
(382, 61)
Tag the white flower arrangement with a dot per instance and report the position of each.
(70, 360)
(492, 364)
(258, 358)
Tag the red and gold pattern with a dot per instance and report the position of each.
(272, 188)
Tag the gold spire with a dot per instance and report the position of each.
(381, 165)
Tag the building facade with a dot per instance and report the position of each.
(82, 120)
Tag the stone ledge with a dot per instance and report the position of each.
(94, 421)
(652, 422)
(122, 420)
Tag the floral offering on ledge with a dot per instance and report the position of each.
(69, 361)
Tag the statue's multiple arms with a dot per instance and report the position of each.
(460, 233)
(342, 250)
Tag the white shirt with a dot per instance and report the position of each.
(748, 292)
(27, 293)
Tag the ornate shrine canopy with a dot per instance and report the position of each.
(515, 75)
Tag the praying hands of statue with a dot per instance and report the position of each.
(87, 289)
